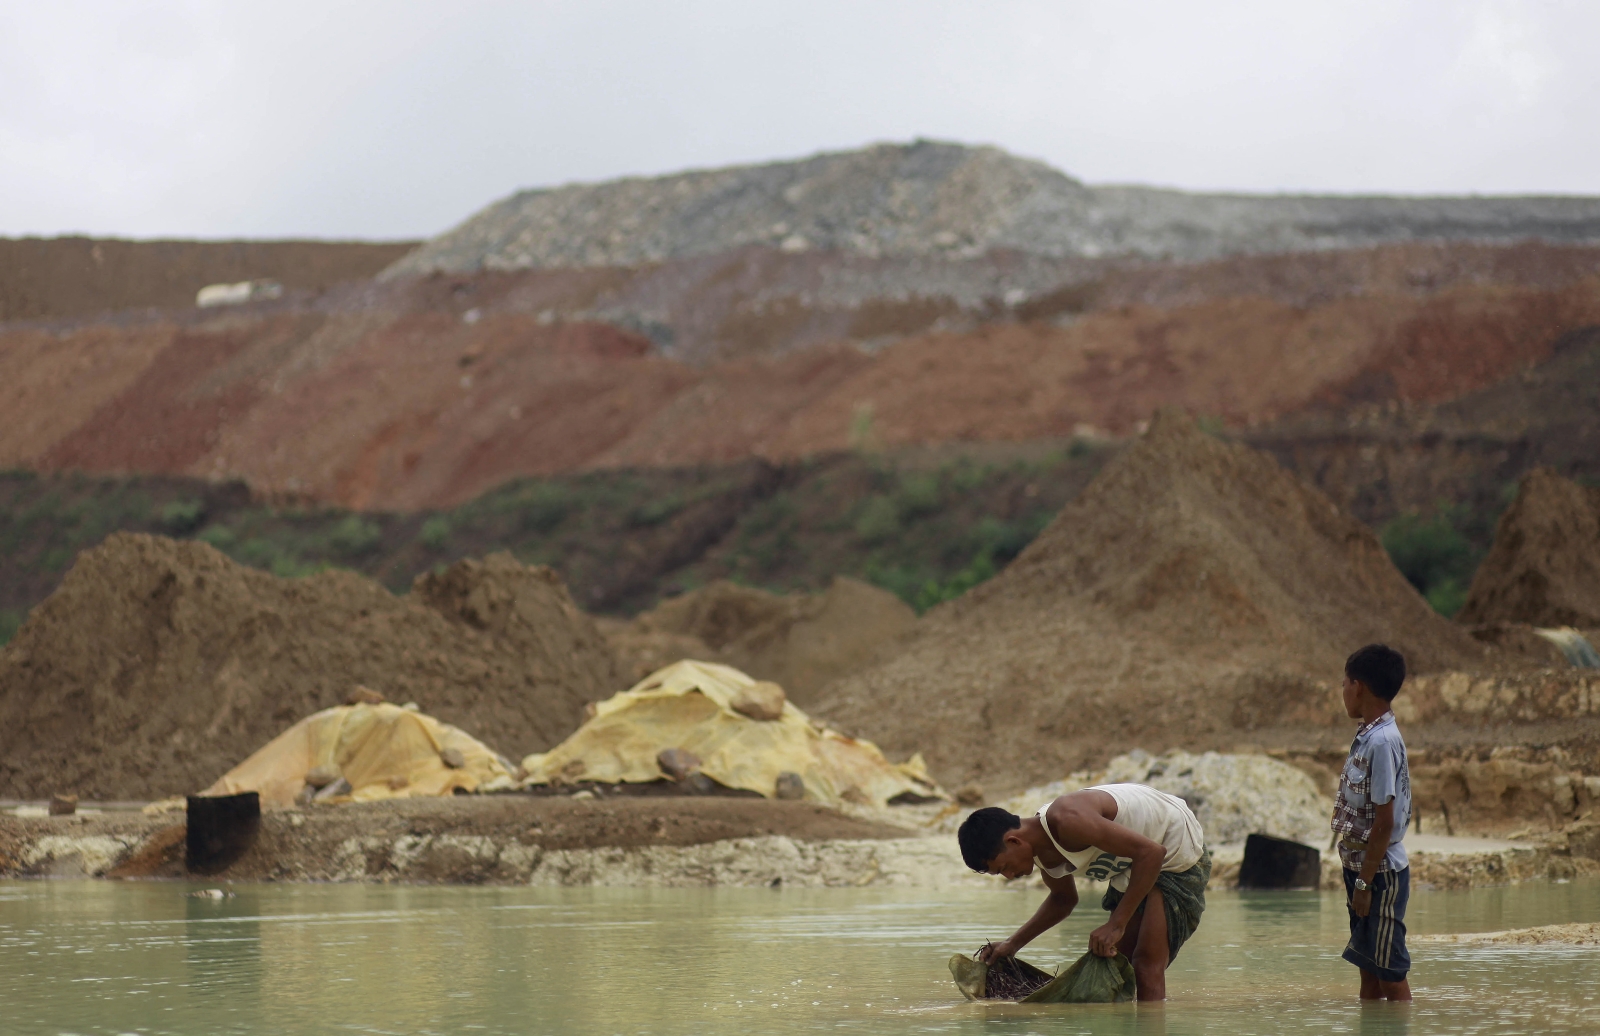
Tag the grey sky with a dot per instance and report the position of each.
(399, 118)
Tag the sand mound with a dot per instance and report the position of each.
(159, 664)
(1193, 593)
(1544, 567)
(800, 641)
(1579, 934)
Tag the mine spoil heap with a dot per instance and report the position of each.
(1194, 593)
(1544, 566)
(799, 641)
(936, 198)
(158, 664)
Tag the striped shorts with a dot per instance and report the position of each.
(1378, 941)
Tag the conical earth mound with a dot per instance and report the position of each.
(800, 641)
(1194, 593)
(158, 665)
(1544, 566)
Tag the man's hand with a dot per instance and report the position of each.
(1103, 940)
(1361, 902)
(994, 951)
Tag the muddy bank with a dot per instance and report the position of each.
(622, 842)
(464, 839)
(1546, 935)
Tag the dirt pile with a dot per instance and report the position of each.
(930, 198)
(158, 665)
(1544, 567)
(1193, 596)
(80, 276)
(800, 641)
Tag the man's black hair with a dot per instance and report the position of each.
(983, 834)
(1380, 667)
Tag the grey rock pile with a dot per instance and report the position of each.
(938, 199)
(1233, 796)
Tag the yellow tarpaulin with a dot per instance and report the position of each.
(383, 750)
(691, 706)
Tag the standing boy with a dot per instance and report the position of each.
(1369, 820)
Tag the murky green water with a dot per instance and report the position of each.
(99, 957)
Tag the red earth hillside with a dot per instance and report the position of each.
(421, 394)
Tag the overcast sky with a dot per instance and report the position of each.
(399, 118)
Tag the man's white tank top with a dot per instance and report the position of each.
(1158, 816)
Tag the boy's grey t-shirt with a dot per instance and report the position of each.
(1376, 772)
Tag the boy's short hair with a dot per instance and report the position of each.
(983, 834)
(1380, 667)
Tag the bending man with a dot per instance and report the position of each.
(1146, 842)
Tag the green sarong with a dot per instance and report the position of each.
(1183, 895)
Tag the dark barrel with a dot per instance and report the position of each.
(221, 828)
(1278, 863)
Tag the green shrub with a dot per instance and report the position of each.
(1434, 556)
(354, 536)
(766, 516)
(656, 511)
(877, 520)
(542, 506)
(862, 437)
(219, 536)
(435, 532)
(918, 495)
(11, 620)
(286, 566)
(967, 476)
(1447, 597)
(181, 516)
(902, 581)
(774, 552)
(258, 553)
(936, 592)
(1000, 540)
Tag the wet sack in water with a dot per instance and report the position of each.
(1091, 980)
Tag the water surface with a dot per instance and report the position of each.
(104, 957)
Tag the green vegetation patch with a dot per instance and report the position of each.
(621, 539)
(1438, 553)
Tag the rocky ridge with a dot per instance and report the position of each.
(934, 198)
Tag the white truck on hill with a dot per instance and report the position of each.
(234, 294)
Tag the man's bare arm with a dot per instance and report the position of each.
(1081, 822)
(1056, 907)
